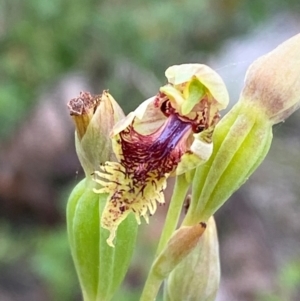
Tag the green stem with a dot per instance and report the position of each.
(151, 287)
(153, 282)
(180, 190)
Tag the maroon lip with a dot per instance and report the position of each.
(169, 138)
(157, 153)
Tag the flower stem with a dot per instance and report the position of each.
(180, 190)
(154, 281)
(151, 287)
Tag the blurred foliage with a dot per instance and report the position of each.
(52, 262)
(44, 254)
(288, 283)
(290, 275)
(12, 247)
(289, 280)
(42, 40)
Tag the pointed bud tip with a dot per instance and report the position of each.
(272, 82)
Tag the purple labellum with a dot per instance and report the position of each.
(155, 153)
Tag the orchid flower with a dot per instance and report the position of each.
(168, 134)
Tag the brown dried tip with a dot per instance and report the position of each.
(203, 224)
(82, 109)
(84, 104)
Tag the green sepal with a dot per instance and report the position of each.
(241, 141)
(100, 268)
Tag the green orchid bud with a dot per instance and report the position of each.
(182, 242)
(197, 276)
(273, 81)
(99, 267)
(94, 118)
(243, 137)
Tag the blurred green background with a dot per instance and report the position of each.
(51, 50)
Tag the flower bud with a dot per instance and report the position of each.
(197, 276)
(94, 117)
(273, 81)
(99, 267)
(243, 137)
(182, 242)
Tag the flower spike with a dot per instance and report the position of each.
(168, 134)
